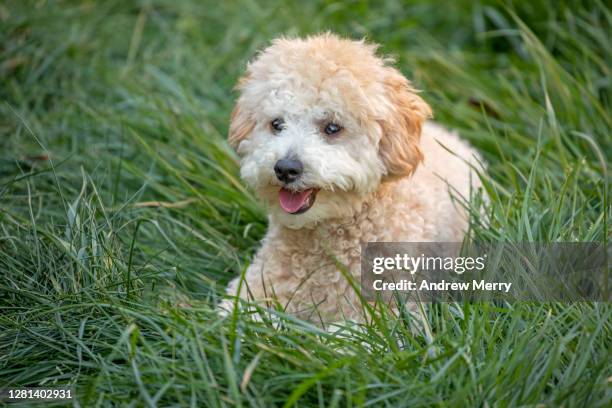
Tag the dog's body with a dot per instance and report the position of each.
(329, 137)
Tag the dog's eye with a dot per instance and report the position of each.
(332, 128)
(277, 125)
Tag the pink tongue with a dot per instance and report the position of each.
(292, 202)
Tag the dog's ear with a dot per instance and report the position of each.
(399, 145)
(241, 124)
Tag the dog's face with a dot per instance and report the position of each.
(320, 123)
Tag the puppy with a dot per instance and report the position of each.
(335, 141)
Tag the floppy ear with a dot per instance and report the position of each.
(241, 125)
(399, 145)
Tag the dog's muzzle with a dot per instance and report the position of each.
(293, 201)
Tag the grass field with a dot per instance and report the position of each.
(122, 216)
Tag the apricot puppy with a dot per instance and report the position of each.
(335, 141)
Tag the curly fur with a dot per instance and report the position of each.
(385, 177)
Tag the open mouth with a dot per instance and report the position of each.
(296, 202)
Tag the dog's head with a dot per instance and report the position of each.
(320, 123)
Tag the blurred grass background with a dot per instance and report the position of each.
(122, 215)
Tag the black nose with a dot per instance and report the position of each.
(288, 170)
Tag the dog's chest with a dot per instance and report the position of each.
(315, 254)
(306, 266)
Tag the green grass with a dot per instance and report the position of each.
(108, 108)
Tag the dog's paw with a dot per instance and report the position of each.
(226, 307)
